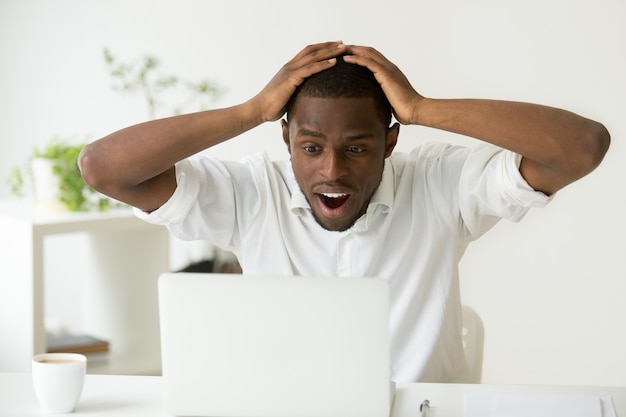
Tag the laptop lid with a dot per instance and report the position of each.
(252, 346)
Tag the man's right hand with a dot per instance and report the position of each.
(272, 100)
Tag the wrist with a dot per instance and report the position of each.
(261, 109)
(420, 111)
(252, 112)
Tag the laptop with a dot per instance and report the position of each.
(261, 346)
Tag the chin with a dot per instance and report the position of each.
(335, 228)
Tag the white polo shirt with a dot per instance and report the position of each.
(430, 205)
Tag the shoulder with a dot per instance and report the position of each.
(432, 158)
(207, 167)
(429, 152)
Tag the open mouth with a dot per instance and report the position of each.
(334, 200)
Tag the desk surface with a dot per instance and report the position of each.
(137, 396)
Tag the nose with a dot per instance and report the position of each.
(333, 165)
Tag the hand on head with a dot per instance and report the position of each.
(404, 99)
(311, 60)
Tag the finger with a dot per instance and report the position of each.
(366, 57)
(364, 51)
(303, 72)
(314, 59)
(320, 51)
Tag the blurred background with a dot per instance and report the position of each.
(551, 290)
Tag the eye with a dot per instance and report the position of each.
(355, 149)
(311, 148)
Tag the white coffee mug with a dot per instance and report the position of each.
(58, 380)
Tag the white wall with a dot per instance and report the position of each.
(551, 290)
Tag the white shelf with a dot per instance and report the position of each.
(126, 256)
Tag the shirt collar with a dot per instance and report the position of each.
(384, 194)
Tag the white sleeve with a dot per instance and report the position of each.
(180, 203)
(491, 187)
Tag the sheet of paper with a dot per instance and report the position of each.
(537, 405)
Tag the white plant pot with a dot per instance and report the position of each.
(46, 184)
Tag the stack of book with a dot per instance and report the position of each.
(95, 349)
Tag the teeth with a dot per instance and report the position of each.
(334, 195)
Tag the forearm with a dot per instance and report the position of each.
(558, 146)
(135, 164)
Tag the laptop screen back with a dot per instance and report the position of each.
(250, 346)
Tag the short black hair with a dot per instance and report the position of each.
(344, 80)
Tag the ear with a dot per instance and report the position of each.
(285, 127)
(392, 139)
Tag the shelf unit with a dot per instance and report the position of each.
(125, 255)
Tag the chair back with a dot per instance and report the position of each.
(473, 343)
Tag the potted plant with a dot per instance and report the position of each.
(56, 180)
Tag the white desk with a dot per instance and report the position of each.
(127, 256)
(137, 396)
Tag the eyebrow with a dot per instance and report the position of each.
(315, 134)
(308, 132)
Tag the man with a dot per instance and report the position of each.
(345, 204)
